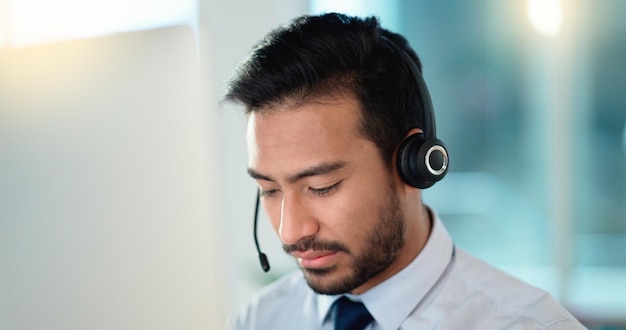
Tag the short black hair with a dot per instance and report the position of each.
(331, 54)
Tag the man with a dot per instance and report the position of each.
(341, 141)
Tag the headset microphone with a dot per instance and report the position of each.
(265, 264)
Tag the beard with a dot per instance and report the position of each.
(384, 240)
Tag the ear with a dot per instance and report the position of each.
(413, 131)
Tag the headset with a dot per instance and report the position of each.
(422, 159)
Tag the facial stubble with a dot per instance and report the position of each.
(384, 240)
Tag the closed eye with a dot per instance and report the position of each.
(321, 192)
(269, 192)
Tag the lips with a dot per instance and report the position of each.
(315, 259)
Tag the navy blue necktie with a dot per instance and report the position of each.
(351, 315)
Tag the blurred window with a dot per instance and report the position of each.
(529, 99)
(27, 22)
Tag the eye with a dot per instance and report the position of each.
(321, 192)
(269, 192)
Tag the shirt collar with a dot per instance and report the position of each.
(391, 302)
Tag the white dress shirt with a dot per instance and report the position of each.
(442, 288)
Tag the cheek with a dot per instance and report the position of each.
(357, 213)
(350, 217)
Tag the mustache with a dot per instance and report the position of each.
(311, 243)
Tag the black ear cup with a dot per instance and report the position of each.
(422, 162)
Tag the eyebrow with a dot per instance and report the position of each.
(323, 168)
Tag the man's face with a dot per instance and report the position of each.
(327, 192)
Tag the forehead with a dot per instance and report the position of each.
(290, 136)
(341, 114)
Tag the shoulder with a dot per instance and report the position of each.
(267, 306)
(502, 297)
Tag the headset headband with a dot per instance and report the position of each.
(425, 104)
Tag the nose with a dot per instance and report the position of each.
(296, 221)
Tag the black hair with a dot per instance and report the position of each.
(332, 54)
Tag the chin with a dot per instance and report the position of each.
(327, 281)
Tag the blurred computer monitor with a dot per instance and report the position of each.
(104, 198)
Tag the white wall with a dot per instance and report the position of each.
(109, 212)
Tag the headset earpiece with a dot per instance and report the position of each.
(422, 162)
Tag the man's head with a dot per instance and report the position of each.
(335, 54)
(328, 102)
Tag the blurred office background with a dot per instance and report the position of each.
(124, 199)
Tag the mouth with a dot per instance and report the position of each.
(315, 259)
